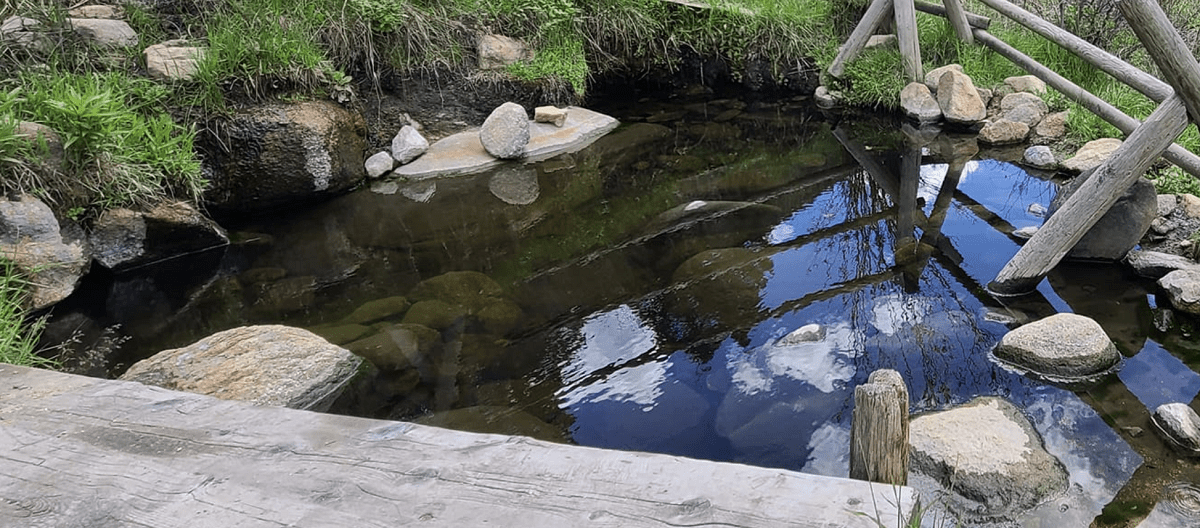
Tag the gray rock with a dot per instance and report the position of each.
(881, 41)
(282, 153)
(1026, 232)
(408, 144)
(104, 32)
(516, 185)
(1183, 288)
(809, 333)
(1064, 347)
(266, 365)
(1037, 209)
(985, 95)
(379, 163)
(918, 103)
(1180, 425)
(1053, 126)
(550, 114)
(1003, 132)
(505, 132)
(1167, 203)
(1092, 154)
(173, 60)
(123, 239)
(1040, 156)
(1121, 227)
(959, 100)
(96, 11)
(935, 75)
(23, 32)
(1026, 83)
(497, 52)
(46, 143)
(988, 452)
(1156, 265)
(1023, 107)
(827, 99)
(53, 259)
(1190, 205)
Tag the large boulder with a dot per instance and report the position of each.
(266, 365)
(1183, 288)
(959, 100)
(279, 154)
(505, 132)
(50, 258)
(1120, 229)
(988, 452)
(1092, 154)
(918, 103)
(122, 238)
(1065, 347)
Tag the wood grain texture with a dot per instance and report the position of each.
(906, 36)
(1167, 48)
(1084, 208)
(879, 447)
(84, 452)
(976, 21)
(1107, 62)
(1181, 157)
(958, 20)
(876, 14)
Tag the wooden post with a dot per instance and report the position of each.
(1176, 154)
(1084, 208)
(875, 15)
(958, 19)
(975, 21)
(906, 35)
(879, 430)
(1167, 49)
(1119, 69)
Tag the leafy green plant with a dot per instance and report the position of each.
(1174, 180)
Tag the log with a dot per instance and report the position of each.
(879, 430)
(906, 35)
(1109, 63)
(1081, 211)
(876, 13)
(86, 452)
(975, 21)
(1181, 157)
(1167, 48)
(958, 20)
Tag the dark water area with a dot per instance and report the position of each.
(645, 288)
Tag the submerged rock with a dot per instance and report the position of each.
(266, 365)
(1180, 424)
(1063, 346)
(397, 347)
(987, 452)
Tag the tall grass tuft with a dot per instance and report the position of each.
(18, 337)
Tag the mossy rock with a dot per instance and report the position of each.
(470, 289)
(398, 347)
(435, 314)
(342, 333)
(499, 317)
(378, 310)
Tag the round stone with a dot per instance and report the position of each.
(1064, 346)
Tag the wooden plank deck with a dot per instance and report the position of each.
(85, 452)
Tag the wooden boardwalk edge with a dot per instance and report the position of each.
(80, 451)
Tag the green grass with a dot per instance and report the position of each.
(18, 337)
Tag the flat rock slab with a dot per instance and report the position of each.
(463, 153)
(88, 452)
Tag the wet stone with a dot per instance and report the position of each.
(378, 310)
(1064, 347)
(1180, 425)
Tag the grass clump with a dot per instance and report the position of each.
(18, 338)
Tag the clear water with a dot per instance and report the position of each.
(656, 275)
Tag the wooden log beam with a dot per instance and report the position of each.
(958, 20)
(876, 13)
(974, 20)
(1109, 63)
(906, 35)
(1167, 48)
(1081, 211)
(1181, 157)
(879, 430)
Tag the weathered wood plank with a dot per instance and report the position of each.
(1084, 208)
(1167, 48)
(958, 20)
(906, 36)
(879, 430)
(1107, 62)
(78, 451)
(975, 21)
(876, 13)
(1181, 157)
